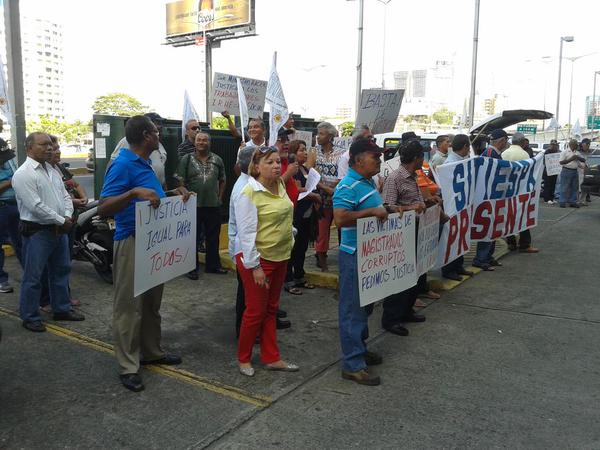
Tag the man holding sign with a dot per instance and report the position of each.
(136, 320)
(356, 197)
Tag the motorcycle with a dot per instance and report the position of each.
(93, 241)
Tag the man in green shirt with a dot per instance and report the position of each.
(203, 173)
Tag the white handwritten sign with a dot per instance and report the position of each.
(428, 239)
(552, 162)
(165, 241)
(379, 109)
(225, 95)
(342, 143)
(389, 166)
(385, 256)
(302, 135)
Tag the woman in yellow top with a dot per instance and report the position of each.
(263, 213)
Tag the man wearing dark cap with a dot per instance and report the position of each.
(158, 157)
(550, 180)
(356, 197)
(484, 258)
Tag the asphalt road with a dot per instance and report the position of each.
(509, 359)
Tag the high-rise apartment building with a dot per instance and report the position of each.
(43, 78)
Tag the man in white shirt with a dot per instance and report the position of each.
(45, 208)
(517, 152)
(570, 160)
(442, 142)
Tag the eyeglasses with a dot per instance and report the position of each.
(196, 128)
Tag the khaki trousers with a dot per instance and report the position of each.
(136, 320)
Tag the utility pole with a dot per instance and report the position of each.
(562, 39)
(474, 66)
(361, 8)
(14, 64)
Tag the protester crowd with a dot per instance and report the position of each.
(273, 218)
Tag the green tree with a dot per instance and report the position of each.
(347, 128)
(443, 116)
(118, 104)
(65, 131)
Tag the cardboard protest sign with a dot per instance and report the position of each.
(487, 199)
(389, 166)
(379, 109)
(165, 241)
(428, 239)
(385, 256)
(552, 162)
(224, 96)
(302, 135)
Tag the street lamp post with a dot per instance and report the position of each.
(562, 39)
(385, 3)
(474, 65)
(594, 103)
(361, 9)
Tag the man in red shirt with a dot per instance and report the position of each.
(288, 168)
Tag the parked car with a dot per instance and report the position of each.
(591, 180)
(89, 161)
(390, 141)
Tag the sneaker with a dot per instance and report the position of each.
(550, 202)
(6, 288)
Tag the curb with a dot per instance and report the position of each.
(329, 280)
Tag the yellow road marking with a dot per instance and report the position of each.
(260, 401)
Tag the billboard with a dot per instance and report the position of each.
(193, 16)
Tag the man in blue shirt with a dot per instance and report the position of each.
(484, 258)
(136, 320)
(356, 197)
(9, 213)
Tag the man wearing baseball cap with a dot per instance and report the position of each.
(356, 197)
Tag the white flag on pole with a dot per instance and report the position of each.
(4, 105)
(553, 124)
(278, 111)
(243, 107)
(189, 112)
(577, 129)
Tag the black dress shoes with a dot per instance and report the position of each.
(193, 275)
(452, 276)
(70, 316)
(372, 358)
(281, 314)
(397, 329)
(283, 324)
(218, 271)
(167, 360)
(37, 326)
(466, 272)
(132, 381)
(415, 318)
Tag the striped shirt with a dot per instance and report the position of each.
(401, 188)
(354, 193)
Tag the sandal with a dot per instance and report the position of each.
(293, 290)
(305, 285)
(432, 295)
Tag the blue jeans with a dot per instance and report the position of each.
(569, 186)
(45, 248)
(353, 319)
(9, 224)
(485, 252)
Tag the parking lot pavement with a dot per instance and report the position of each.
(505, 360)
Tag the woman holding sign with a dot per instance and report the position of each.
(263, 214)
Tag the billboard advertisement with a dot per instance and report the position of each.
(193, 16)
